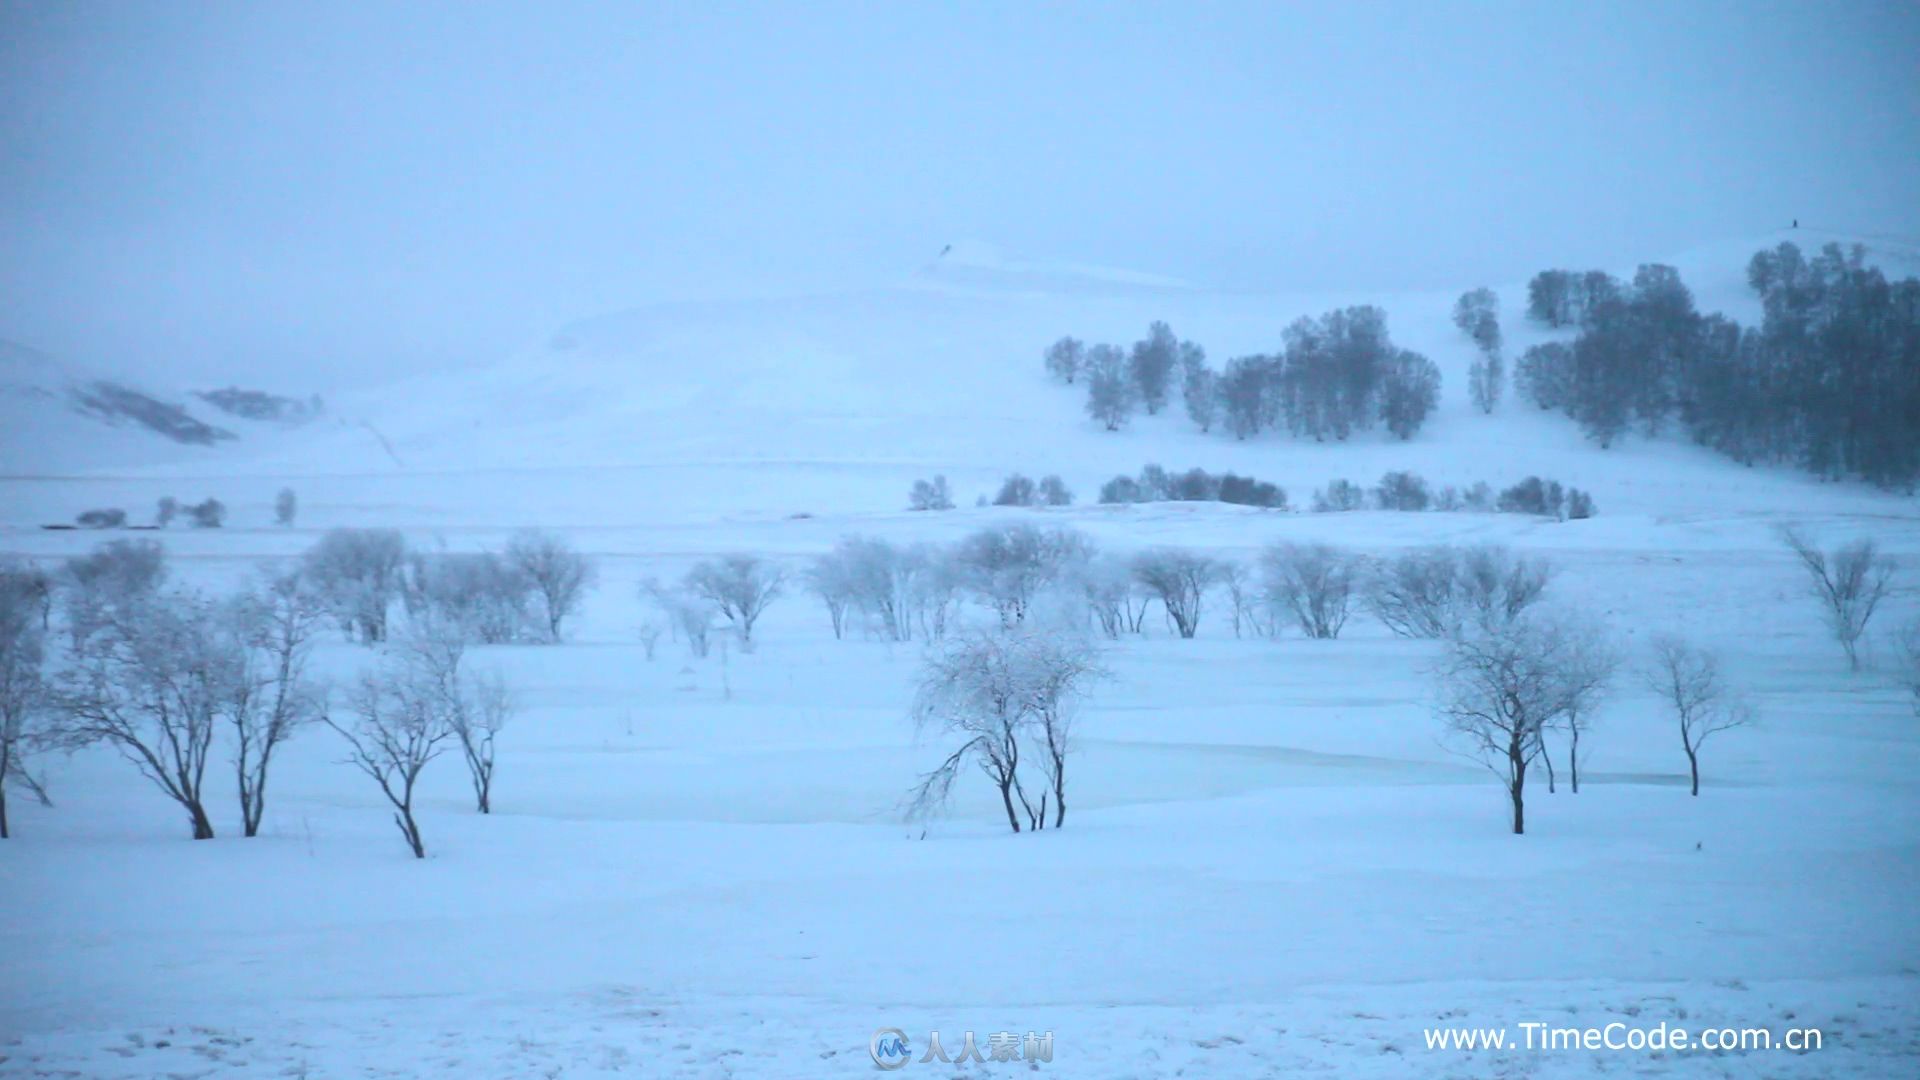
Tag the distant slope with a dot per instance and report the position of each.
(835, 403)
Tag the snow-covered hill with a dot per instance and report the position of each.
(836, 403)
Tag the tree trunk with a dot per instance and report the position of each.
(1693, 766)
(411, 831)
(1006, 797)
(1573, 761)
(3, 809)
(202, 827)
(1517, 787)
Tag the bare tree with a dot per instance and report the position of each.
(1589, 666)
(689, 615)
(358, 572)
(474, 707)
(1689, 679)
(1413, 594)
(1499, 687)
(1314, 582)
(740, 587)
(999, 691)
(1909, 660)
(1064, 358)
(1180, 579)
(113, 579)
(270, 699)
(165, 511)
(1111, 392)
(1008, 566)
(479, 595)
(1494, 585)
(25, 588)
(150, 681)
(649, 634)
(1107, 584)
(285, 506)
(831, 578)
(934, 495)
(23, 694)
(1849, 583)
(394, 732)
(561, 576)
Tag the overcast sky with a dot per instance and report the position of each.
(197, 189)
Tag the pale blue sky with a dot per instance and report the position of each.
(196, 188)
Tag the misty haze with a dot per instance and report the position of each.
(1113, 541)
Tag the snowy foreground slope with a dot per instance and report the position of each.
(696, 869)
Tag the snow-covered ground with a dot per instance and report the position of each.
(1273, 864)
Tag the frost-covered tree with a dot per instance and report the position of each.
(285, 506)
(689, 614)
(481, 596)
(165, 511)
(1688, 678)
(393, 732)
(358, 572)
(1485, 380)
(25, 700)
(1494, 586)
(1409, 390)
(1245, 391)
(1413, 593)
(472, 706)
(1313, 582)
(560, 576)
(1477, 314)
(1008, 567)
(1546, 375)
(1015, 490)
(113, 579)
(1009, 696)
(1179, 579)
(1111, 392)
(1849, 583)
(270, 698)
(1065, 358)
(151, 680)
(931, 495)
(740, 587)
(1053, 491)
(1151, 365)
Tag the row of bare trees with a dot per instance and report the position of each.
(525, 592)
(165, 675)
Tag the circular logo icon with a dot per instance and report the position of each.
(889, 1048)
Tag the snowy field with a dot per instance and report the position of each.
(1274, 864)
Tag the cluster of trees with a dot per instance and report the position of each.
(165, 674)
(209, 513)
(1830, 381)
(930, 495)
(523, 593)
(1337, 374)
(1020, 490)
(1155, 484)
(1477, 314)
(729, 592)
(1399, 490)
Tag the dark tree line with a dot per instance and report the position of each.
(1830, 381)
(1336, 374)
